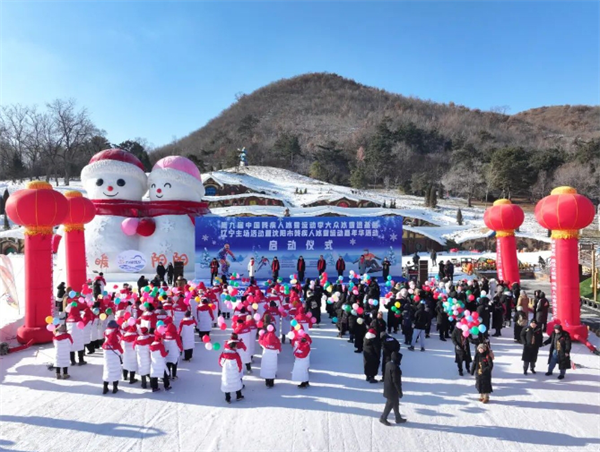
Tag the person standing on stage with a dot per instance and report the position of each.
(321, 265)
(340, 266)
(275, 268)
(301, 268)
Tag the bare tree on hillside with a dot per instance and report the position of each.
(74, 128)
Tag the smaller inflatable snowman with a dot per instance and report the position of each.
(115, 181)
(174, 181)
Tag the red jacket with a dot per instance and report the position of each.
(231, 354)
(275, 265)
(301, 265)
(214, 267)
(321, 265)
(340, 265)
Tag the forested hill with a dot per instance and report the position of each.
(338, 130)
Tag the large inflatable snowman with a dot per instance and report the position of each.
(115, 181)
(175, 189)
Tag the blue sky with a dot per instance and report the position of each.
(160, 70)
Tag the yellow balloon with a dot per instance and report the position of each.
(102, 316)
(49, 319)
(297, 327)
(397, 304)
(255, 306)
(198, 299)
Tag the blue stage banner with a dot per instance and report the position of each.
(363, 243)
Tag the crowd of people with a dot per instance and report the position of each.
(148, 331)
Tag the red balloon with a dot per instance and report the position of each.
(146, 227)
(206, 339)
(223, 326)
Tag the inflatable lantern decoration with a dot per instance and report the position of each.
(565, 212)
(38, 208)
(504, 217)
(81, 211)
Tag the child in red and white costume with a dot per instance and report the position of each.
(186, 331)
(302, 362)
(231, 365)
(244, 334)
(74, 309)
(112, 357)
(62, 349)
(173, 346)
(142, 350)
(303, 319)
(158, 365)
(271, 348)
(205, 318)
(130, 364)
(179, 310)
(88, 319)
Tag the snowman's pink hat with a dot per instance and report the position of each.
(178, 169)
(114, 161)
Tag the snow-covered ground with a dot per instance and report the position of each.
(339, 412)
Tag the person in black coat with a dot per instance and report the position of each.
(462, 350)
(441, 319)
(340, 266)
(542, 306)
(313, 305)
(507, 302)
(301, 268)
(483, 310)
(275, 267)
(389, 345)
(532, 339)
(392, 389)
(61, 290)
(392, 317)
(430, 308)
(321, 265)
(441, 271)
(497, 316)
(407, 322)
(560, 351)
(373, 293)
(385, 266)
(371, 355)
(449, 270)
(379, 324)
(360, 329)
(520, 321)
(161, 271)
(482, 369)
(420, 323)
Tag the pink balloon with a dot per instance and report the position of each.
(466, 333)
(270, 328)
(50, 327)
(309, 314)
(131, 321)
(257, 316)
(80, 325)
(129, 226)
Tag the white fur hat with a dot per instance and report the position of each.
(114, 161)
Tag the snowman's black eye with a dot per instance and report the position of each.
(120, 182)
(99, 182)
(153, 186)
(168, 185)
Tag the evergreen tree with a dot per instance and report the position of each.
(384, 206)
(358, 177)
(459, 217)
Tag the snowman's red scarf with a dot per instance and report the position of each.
(141, 209)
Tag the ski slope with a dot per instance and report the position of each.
(339, 412)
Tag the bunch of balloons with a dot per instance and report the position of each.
(471, 324)
(454, 308)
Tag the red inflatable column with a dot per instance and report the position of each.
(39, 209)
(565, 212)
(504, 217)
(81, 211)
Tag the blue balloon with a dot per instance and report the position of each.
(353, 312)
(334, 319)
(482, 328)
(55, 320)
(375, 302)
(72, 294)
